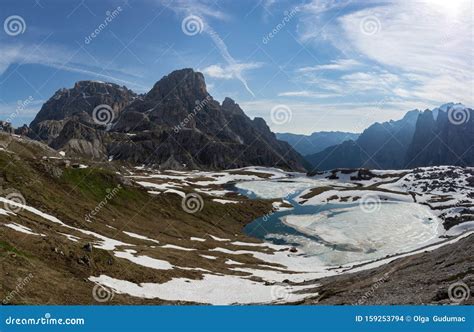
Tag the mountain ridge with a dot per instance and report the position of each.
(428, 138)
(317, 141)
(177, 124)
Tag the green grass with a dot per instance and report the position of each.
(5, 246)
(92, 183)
(13, 170)
(95, 184)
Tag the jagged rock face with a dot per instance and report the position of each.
(188, 128)
(168, 103)
(443, 136)
(177, 124)
(81, 140)
(385, 145)
(178, 101)
(46, 130)
(6, 127)
(381, 146)
(77, 103)
(23, 130)
(441, 141)
(184, 85)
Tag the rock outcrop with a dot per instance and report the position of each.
(381, 146)
(442, 136)
(78, 104)
(177, 124)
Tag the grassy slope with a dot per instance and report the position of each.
(60, 267)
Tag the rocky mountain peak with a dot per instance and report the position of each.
(228, 102)
(183, 84)
(176, 123)
(260, 123)
(446, 108)
(412, 115)
(78, 103)
(231, 106)
(98, 87)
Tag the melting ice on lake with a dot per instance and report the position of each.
(340, 234)
(352, 235)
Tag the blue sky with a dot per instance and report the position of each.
(303, 66)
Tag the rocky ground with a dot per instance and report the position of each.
(423, 278)
(78, 232)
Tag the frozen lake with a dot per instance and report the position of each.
(339, 234)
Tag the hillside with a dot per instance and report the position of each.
(136, 235)
(176, 125)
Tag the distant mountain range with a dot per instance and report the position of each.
(442, 136)
(177, 124)
(316, 142)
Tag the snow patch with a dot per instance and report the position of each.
(172, 246)
(141, 237)
(157, 264)
(22, 229)
(211, 289)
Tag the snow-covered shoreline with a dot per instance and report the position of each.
(280, 275)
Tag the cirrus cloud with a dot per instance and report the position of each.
(422, 50)
(230, 71)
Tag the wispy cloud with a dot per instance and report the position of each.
(229, 71)
(205, 10)
(436, 45)
(316, 7)
(202, 8)
(341, 64)
(370, 84)
(350, 116)
(308, 94)
(20, 112)
(419, 50)
(319, 17)
(222, 47)
(61, 58)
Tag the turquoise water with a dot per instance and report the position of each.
(344, 233)
(270, 223)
